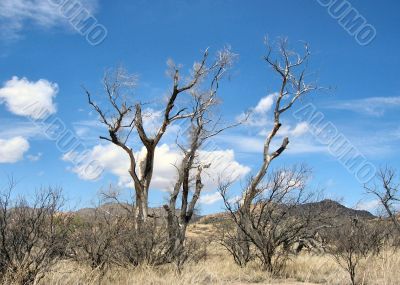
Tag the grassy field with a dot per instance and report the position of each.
(220, 269)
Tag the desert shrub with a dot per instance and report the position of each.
(33, 235)
(151, 246)
(95, 239)
(277, 221)
(108, 236)
(352, 242)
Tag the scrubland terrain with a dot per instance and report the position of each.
(41, 244)
(219, 268)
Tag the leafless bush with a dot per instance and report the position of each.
(236, 244)
(352, 242)
(147, 246)
(95, 239)
(276, 223)
(151, 246)
(33, 235)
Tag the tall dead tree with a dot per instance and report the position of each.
(127, 119)
(386, 188)
(291, 70)
(203, 126)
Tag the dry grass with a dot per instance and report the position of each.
(382, 270)
(220, 269)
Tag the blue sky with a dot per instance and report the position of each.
(42, 56)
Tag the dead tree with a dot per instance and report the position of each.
(203, 126)
(386, 189)
(129, 118)
(291, 70)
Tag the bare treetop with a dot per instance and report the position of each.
(126, 119)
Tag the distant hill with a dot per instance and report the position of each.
(336, 209)
(326, 207)
(120, 209)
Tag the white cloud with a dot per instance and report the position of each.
(223, 164)
(16, 128)
(300, 129)
(257, 116)
(248, 144)
(112, 158)
(27, 98)
(371, 205)
(13, 150)
(373, 106)
(16, 14)
(265, 104)
(287, 131)
(243, 143)
(115, 161)
(209, 199)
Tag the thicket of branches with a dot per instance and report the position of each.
(277, 226)
(33, 235)
(352, 242)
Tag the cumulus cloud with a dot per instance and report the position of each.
(13, 150)
(265, 104)
(17, 14)
(28, 98)
(223, 164)
(114, 160)
(111, 158)
(300, 129)
(257, 116)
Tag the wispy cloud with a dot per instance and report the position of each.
(251, 144)
(373, 106)
(14, 128)
(209, 199)
(15, 15)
